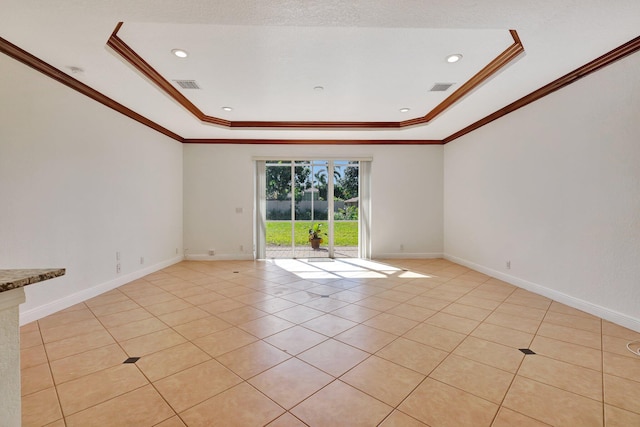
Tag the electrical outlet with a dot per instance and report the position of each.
(241, 248)
(176, 251)
(118, 268)
(401, 247)
(117, 255)
(212, 252)
(508, 264)
(141, 260)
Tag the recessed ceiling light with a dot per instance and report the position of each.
(319, 88)
(227, 108)
(405, 110)
(454, 58)
(180, 53)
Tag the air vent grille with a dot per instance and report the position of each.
(187, 84)
(441, 87)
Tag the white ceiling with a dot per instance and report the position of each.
(264, 59)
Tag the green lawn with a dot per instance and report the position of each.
(279, 233)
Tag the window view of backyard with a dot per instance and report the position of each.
(297, 208)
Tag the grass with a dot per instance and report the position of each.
(279, 233)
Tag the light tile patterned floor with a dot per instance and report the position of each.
(342, 343)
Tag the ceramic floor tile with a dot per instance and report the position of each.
(116, 307)
(40, 408)
(614, 330)
(32, 356)
(492, 354)
(432, 401)
(571, 335)
(124, 317)
(561, 350)
(35, 379)
(565, 376)
(382, 379)
(391, 323)
(224, 341)
(30, 339)
(253, 359)
(57, 333)
(522, 311)
(616, 345)
(266, 326)
(400, 419)
(476, 378)
(508, 418)
(150, 343)
(229, 409)
(366, 338)
(186, 315)
(175, 359)
(202, 382)
(355, 313)
(622, 393)
(467, 311)
(552, 405)
(435, 337)
(201, 327)
(299, 314)
(221, 306)
(616, 417)
(333, 357)
(622, 366)
(65, 319)
(286, 420)
(241, 315)
(78, 344)
(140, 407)
(452, 323)
(341, 404)
(171, 422)
(290, 382)
(412, 312)
(501, 335)
(137, 328)
(166, 307)
(98, 387)
(329, 325)
(519, 323)
(377, 303)
(578, 322)
(413, 355)
(295, 340)
(76, 366)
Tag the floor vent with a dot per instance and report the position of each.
(187, 84)
(131, 360)
(526, 351)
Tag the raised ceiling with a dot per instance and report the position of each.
(265, 59)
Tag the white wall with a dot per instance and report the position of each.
(79, 182)
(555, 188)
(406, 199)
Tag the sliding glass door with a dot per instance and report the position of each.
(308, 209)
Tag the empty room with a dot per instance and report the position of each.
(297, 213)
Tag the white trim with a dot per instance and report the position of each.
(11, 298)
(220, 257)
(406, 255)
(85, 294)
(577, 303)
(306, 157)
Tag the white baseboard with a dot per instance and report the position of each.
(407, 255)
(219, 257)
(39, 312)
(586, 306)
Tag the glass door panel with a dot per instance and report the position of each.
(278, 209)
(345, 208)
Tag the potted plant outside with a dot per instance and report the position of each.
(315, 234)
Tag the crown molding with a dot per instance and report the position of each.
(136, 61)
(597, 64)
(37, 64)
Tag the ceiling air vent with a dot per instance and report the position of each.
(187, 84)
(441, 87)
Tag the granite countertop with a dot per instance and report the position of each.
(12, 279)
